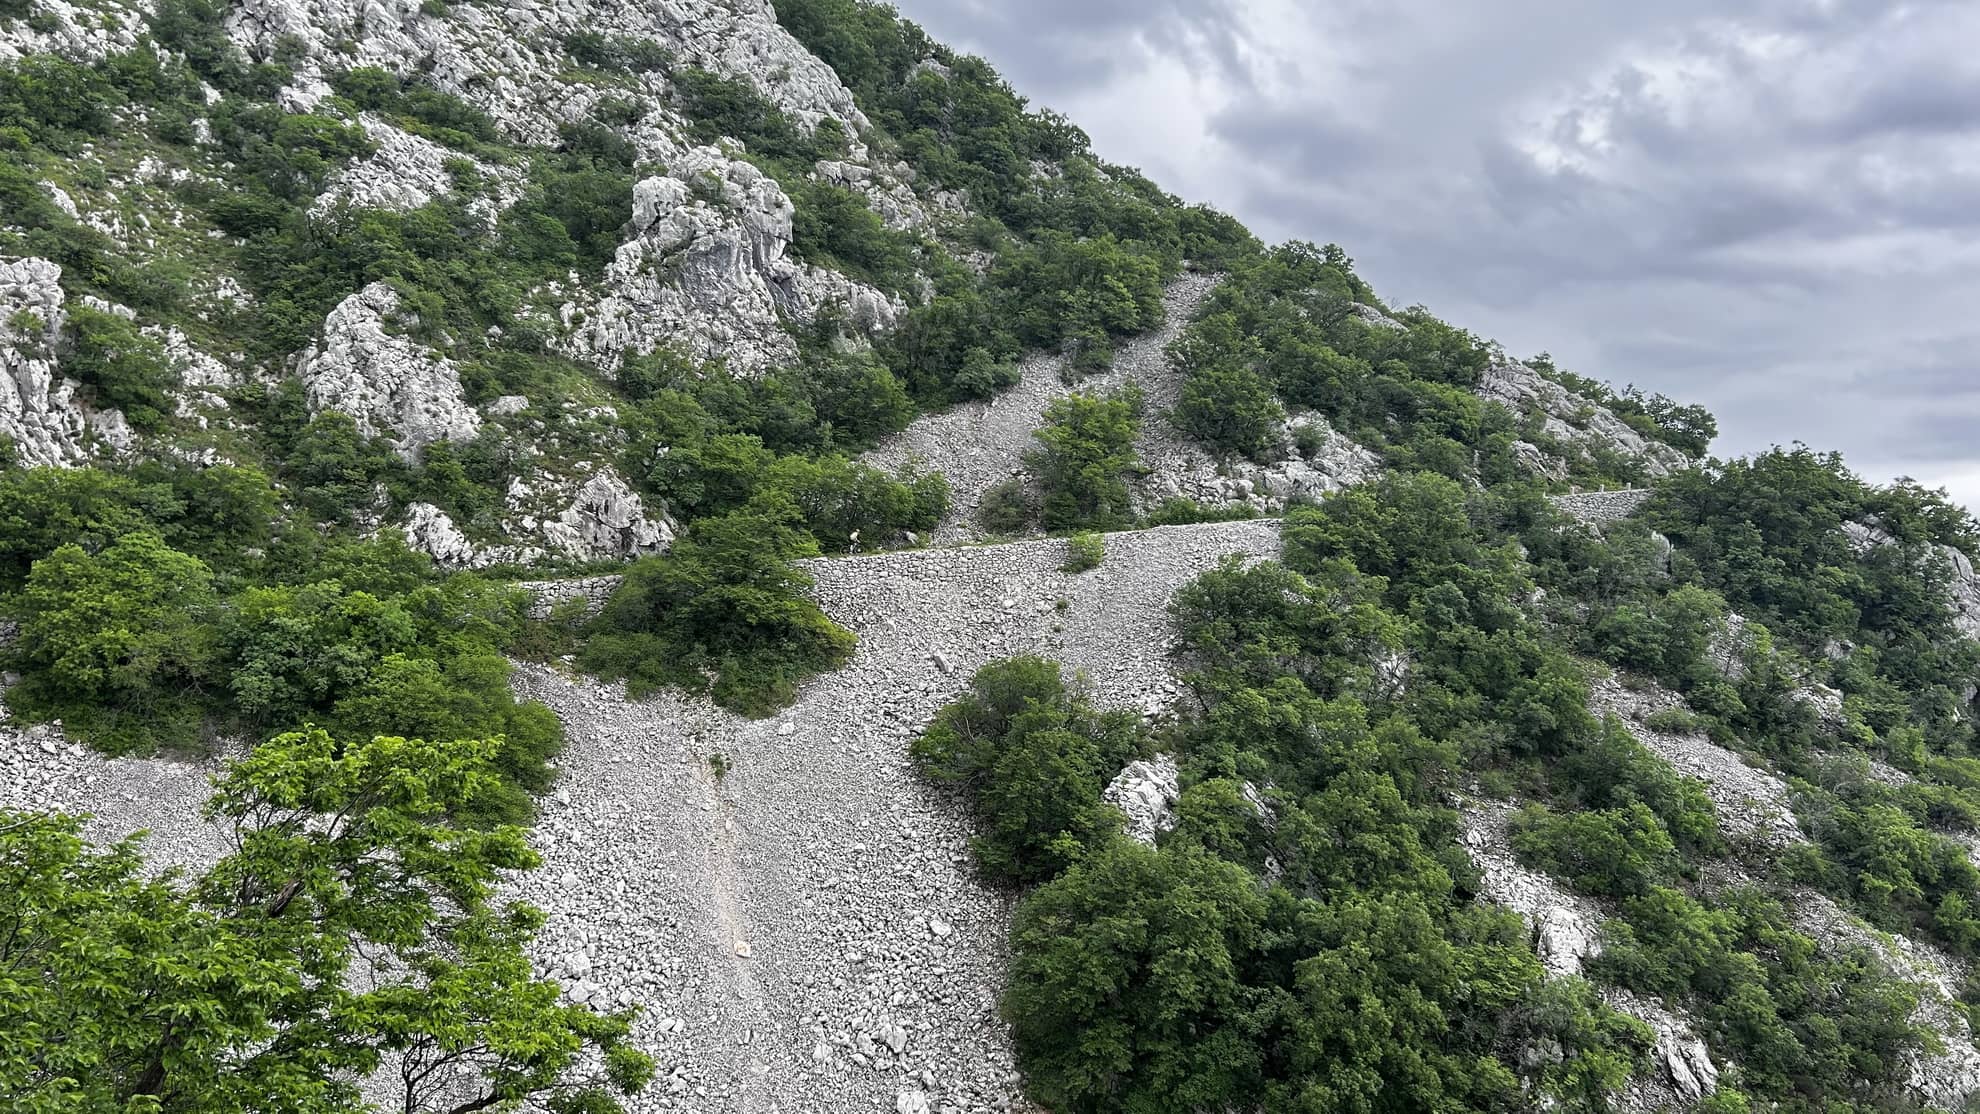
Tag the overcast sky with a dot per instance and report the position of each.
(1770, 207)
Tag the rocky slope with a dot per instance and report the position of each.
(794, 909)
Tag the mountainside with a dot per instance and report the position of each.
(1046, 649)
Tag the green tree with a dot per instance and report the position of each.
(1085, 457)
(1126, 989)
(1033, 756)
(353, 931)
(124, 368)
(1231, 410)
(724, 612)
(118, 643)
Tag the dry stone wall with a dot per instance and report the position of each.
(1594, 508)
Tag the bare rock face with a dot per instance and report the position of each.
(1827, 702)
(1179, 468)
(1728, 647)
(1963, 592)
(607, 519)
(80, 32)
(1572, 420)
(390, 385)
(40, 412)
(1567, 928)
(887, 193)
(600, 519)
(429, 530)
(707, 270)
(1685, 1071)
(1146, 794)
(408, 171)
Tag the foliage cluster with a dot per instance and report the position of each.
(135, 643)
(722, 612)
(1082, 247)
(352, 928)
(1769, 538)
(1315, 944)
(1030, 754)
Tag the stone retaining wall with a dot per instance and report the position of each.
(545, 595)
(1593, 508)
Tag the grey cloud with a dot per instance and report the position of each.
(1055, 47)
(1939, 435)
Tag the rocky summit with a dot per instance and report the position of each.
(707, 556)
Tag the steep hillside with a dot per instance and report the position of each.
(713, 559)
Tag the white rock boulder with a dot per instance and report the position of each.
(390, 385)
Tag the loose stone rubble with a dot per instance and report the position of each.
(874, 956)
(1597, 508)
(804, 930)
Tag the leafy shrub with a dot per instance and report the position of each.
(1184, 511)
(420, 109)
(1008, 508)
(1084, 551)
(955, 347)
(1806, 1026)
(723, 612)
(1612, 853)
(834, 227)
(1231, 410)
(625, 55)
(1032, 755)
(123, 367)
(117, 643)
(52, 99)
(1085, 457)
(717, 106)
(334, 468)
(1675, 721)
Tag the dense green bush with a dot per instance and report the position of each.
(420, 109)
(1284, 324)
(1614, 852)
(1031, 756)
(123, 367)
(1225, 403)
(333, 468)
(1183, 511)
(834, 227)
(723, 612)
(117, 644)
(718, 106)
(627, 55)
(1084, 551)
(1084, 459)
(1798, 1022)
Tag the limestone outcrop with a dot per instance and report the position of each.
(42, 413)
(393, 387)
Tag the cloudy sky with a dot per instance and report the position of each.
(1771, 207)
